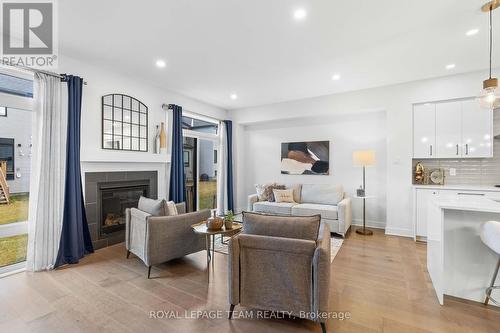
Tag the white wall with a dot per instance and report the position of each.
(346, 133)
(396, 100)
(103, 81)
(17, 126)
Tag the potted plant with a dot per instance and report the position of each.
(228, 220)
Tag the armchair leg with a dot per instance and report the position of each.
(128, 254)
(323, 327)
(149, 272)
(231, 309)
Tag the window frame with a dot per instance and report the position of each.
(11, 143)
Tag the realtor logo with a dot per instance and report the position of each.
(28, 33)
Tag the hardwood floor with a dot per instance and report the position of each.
(380, 280)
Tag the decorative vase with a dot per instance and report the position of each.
(163, 138)
(157, 140)
(214, 222)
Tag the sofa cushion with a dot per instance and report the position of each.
(324, 194)
(152, 206)
(297, 188)
(281, 208)
(326, 211)
(299, 227)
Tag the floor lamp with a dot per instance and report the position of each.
(363, 159)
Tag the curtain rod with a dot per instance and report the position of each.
(165, 106)
(33, 70)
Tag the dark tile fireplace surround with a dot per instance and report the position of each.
(106, 196)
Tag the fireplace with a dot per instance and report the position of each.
(107, 195)
(113, 198)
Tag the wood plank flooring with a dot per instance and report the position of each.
(380, 280)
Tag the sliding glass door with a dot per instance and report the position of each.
(16, 120)
(201, 144)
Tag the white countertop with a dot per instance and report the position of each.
(475, 204)
(459, 187)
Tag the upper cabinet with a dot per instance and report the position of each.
(477, 130)
(424, 131)
(457, 129)
(448, 130)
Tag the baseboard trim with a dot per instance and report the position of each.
(399, 232)
(369, 224)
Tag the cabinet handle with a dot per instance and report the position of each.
(457, 149)
(466, 149)
(478, 194)
(430, 149)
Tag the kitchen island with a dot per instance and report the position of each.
(459, 264)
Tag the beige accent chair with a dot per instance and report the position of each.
(329, 201)
(282, 264)
(158, 239)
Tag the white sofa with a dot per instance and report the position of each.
(329, 201)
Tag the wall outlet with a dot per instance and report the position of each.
(453, 172)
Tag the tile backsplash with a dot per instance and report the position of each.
(473, 171)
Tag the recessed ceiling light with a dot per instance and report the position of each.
(300, 14)
(336, 77)
(472, 32)
(450, 66)
(234, 96)
(161, 63)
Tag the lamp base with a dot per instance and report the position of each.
(364, 231)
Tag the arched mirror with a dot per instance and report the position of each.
(124, 123)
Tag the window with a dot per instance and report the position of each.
(7, 155)
(15, 128)
(16, 86)
(199, 125)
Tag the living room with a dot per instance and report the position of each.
(231, 166)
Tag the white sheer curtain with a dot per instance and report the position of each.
(48, 172)
(222, 170)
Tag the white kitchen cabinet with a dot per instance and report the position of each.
(448, 129)
(422, 200)
(422, 197)
(455, 129)
(477, 130)
(424, 130)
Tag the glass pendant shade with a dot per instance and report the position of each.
(489, 98)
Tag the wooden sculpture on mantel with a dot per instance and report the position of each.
(419, 173)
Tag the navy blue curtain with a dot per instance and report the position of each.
(177, 191)
(229, 136)
(75, 237)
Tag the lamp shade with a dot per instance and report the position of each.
(363, 158)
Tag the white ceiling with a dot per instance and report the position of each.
(256, 49)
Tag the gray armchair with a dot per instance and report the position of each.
(281, 263)
(157, 239)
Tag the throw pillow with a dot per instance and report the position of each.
(265, 191)
(283, 195)
(171, 208)
(272, 188)
(151, 206)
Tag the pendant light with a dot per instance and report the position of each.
(490, 95)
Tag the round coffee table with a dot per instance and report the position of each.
(201, 229)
